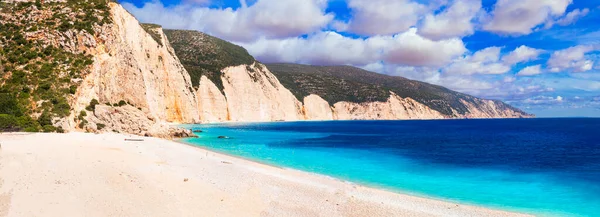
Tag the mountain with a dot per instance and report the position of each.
(351, 84)
(69, 65)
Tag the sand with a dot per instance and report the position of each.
(79, 174)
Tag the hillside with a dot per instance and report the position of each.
(351, 84)
(202, 54)
(39, 76)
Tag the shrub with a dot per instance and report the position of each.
(73, 89)
(92, 106)
(100, 126)
(9, 105)
(122, 103)
(81, 115)
(8, 123)
(60, 130)
(82, 124)
(45, 119)
(49, 128)
(27, 122)
(31, 130)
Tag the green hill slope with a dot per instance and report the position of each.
(346, 83)
(202, 54)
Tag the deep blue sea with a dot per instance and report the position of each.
(548, 167)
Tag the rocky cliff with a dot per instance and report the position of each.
(127, 78)
(133, 66)
(91, 66)
(359, 94)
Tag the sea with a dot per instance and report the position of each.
(545, 167)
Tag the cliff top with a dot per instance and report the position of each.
(202, 54)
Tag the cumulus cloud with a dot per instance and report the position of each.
(485, 61)
(572, 59)
(455, 21)
(320, 48)
(265, 18)
(382, 17)
(411, 49)
(521, 54)
(520, 17)
(570, 18)
(530, 70)
(329, 47)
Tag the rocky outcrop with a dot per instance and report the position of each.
(396, 108)
(254, 94)
(212, 104)
(316, 108)
(483, 108)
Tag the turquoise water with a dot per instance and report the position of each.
(547, 167)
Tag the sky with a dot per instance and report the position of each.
(542, 56)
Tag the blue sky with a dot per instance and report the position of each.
(542, 56)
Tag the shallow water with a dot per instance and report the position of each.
(540, 166)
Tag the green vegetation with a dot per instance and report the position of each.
(346, 83)
(202, 54)
(152, 30)
(92, 106)
(38, 79)
(100, 126)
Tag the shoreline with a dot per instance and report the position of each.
(364, 185)
(53, 173)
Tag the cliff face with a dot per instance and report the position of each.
(212, 104)
(132, 66)
(254, 94)
(396, 108)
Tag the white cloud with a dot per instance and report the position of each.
(382, 17)
(530, 70)
(543, 100)
(485, 61)
(411, 49)
(452, 22)
(509, 79)
(521, 54)
(407, 48)
(520, 17)
(572, 59)
(265, 18)
(572, 16)
(321, 48)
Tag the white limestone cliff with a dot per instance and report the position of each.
(489, 109)
(316, 108)
(396, 108)
(253, 93)
(130, 65)
(212, 104)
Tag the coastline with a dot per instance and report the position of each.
(354, 183)
(102, 174)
